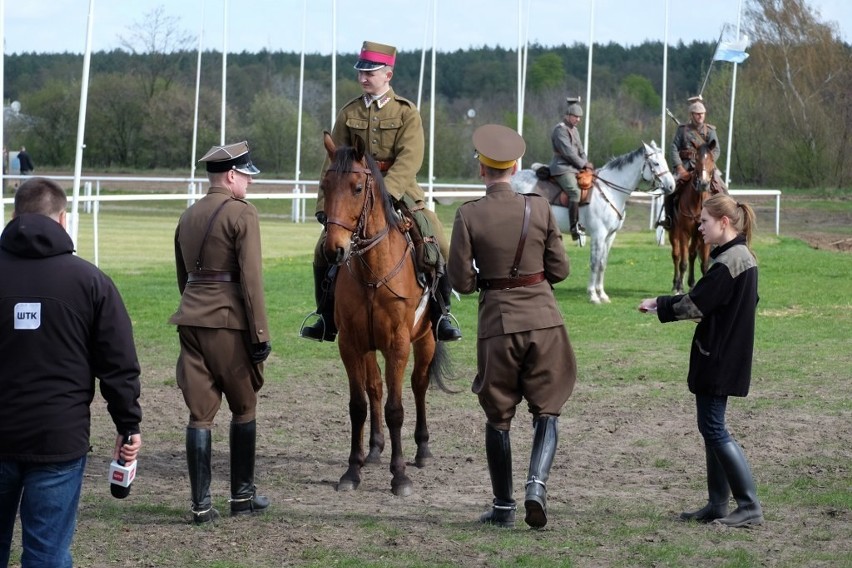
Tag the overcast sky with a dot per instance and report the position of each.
(60, 25)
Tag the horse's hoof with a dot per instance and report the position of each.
(605, 299)
(402, 489)
(346, 484)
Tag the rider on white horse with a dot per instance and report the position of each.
(569, 157)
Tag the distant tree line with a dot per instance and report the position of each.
(792, 120)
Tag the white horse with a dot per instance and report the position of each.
(604, 214)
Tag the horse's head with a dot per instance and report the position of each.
(705, 166)
(656, 169)
(351, 185)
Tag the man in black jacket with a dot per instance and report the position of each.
(64, 323)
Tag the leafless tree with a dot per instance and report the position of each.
(155, 38)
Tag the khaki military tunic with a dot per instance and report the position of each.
(218, 321)
(392, 132)
(688, 138)
(523, 350)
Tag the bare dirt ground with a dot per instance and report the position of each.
(612, 463)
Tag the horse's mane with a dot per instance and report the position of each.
(344, 156)
(619, 162)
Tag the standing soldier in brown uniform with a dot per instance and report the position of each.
(224, 335)
(392, 131)
(509, 247)
(687, 140)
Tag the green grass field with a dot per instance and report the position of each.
(796, 424)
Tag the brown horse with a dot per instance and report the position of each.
(686, 240)
(380, 306)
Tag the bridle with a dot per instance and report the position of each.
(360, 243)
(655, 172)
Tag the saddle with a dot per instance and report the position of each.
(585, 181)
(427, 254)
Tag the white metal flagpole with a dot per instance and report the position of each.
(299, 203)
(81, 126)
(430, 201)
(333, 63)
(423, 54)
(224, 70)
(665, 77)
(192, 162)
(733, 96)
(589, 76)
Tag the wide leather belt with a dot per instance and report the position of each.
(508, 283)
(212, 276)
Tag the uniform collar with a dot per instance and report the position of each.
(381, 100)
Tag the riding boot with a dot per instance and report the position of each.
(441, 320)
(244, 497)
(198, 453)
(718, 493)
(498, 450)
(577, 230)
(668, 213)
(545, 437)
(324, 329)
(748, 511)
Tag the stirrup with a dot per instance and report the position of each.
(454, 323)
(320, 321)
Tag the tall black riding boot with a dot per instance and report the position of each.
(668, 213)
(498, 449)
(446, 330)
(577, 230)
(748, 511)
(718, 491)
(324, 329)
(198, 453)
(545, 437)
(244, 497)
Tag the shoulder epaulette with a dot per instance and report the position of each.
(710, 125)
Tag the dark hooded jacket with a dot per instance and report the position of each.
(724, 301)
(63, 323)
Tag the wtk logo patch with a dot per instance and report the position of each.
(28, 316)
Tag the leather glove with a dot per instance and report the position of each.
(261, 352)
(322, 218)
(682, 173)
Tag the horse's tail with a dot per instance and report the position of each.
(440, 368)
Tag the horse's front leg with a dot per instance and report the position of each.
(395, 362)
(597, 265)
(679, 262)
(374, 396)
(607, 247)
(357, 417)
(424, 354)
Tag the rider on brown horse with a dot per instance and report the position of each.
(688, 139)
(391, 128)
(569, 157)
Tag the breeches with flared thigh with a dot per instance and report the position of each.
(214, 362)
(568, 183)
(536, 365)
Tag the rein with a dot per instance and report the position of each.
(625, 190)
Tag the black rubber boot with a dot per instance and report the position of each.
(244, 497)
(198, 452)
(498, 449)
(748, 511)
(446, 330)
(545, 438)
(718, 491)
(577, 230)
(324, 329)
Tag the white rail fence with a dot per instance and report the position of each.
(299, 192)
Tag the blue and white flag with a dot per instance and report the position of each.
(732, 51)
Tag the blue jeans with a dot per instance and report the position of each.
(48, 495)
(710, 411)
